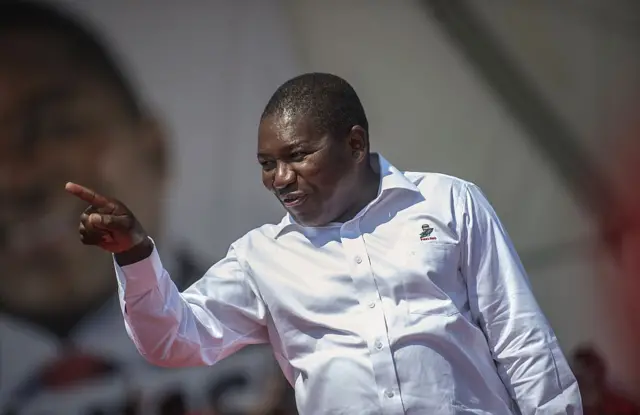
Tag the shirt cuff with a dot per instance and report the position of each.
(140, 277)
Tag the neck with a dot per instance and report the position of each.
(369, 185)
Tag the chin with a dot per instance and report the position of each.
(311, 218)
(311, 222)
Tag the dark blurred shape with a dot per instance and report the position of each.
(281, 400)
(131, 405)
(189, 269)
(173, 403)
(72, 369)
(287, 403)
(598, 397)
(221, 389)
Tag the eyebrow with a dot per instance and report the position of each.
(286, 148)
(48, 99)
(40, 102)
(38, 106)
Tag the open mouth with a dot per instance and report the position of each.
(293, 199)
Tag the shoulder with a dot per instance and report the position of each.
(461, 196)
(430, 183)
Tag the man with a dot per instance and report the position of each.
(380, 291)
(67, 109)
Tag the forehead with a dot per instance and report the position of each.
(37, 70)
(284, 131)
(28, 54)
(29, 48)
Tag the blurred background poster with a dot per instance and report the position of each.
(158, 102)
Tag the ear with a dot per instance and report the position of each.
(358, 142)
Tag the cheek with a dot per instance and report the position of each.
(135, 183)
(267, 180)
(326, 180)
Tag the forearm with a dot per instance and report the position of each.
(537, 374)
(523, 345)
(163, 325)
(526, 351)
(215, 317)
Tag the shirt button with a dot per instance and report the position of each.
(390, 394)
(372, 305)
(379, 345)
(358, 260)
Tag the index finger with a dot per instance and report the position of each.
(86, 194)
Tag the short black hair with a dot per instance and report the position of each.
(330, 102)
(86, 45)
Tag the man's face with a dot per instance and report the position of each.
(312, 174)
(60, 121)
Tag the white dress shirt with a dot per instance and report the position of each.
(418, 305)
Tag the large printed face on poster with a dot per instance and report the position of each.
(63, 118)
(68, 114)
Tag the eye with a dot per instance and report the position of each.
(47, 127)
(267, 165)
(63, 129)
(298, 156)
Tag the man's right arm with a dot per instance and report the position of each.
(215, 317)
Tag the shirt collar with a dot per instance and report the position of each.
(391, 179)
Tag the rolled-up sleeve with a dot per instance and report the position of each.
(523, 345)
(215, 317)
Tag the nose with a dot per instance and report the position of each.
(283, 176)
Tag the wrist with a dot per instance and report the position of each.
(137, 253)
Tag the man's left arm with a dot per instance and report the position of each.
(523, 345)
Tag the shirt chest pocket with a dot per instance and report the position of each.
(431, 281)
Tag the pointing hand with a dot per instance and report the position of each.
(109, 224)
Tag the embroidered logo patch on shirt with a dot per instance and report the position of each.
(425, 235)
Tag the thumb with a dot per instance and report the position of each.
(114, 222)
